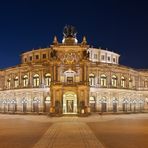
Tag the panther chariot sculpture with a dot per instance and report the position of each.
(69, 31)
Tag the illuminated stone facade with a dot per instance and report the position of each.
(72, 78)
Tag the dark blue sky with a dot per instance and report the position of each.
(119, 25)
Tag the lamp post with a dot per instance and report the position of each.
(8, 102)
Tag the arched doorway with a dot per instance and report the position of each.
(70, 103)
(125, 105)
(115, 101)
(92, 104)
(103, 102)
(36, 103)
(24, 105)
(47, 104)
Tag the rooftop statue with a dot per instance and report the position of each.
(69, 31)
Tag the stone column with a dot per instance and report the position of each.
(54, 69)
(85, 73)
(30, 78)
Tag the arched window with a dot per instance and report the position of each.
(146, 83)
(130, 83)
(123, 82)
(114, 81)
(16, 82)
(47, 79)
(25, 80)
(91, 79)
(69, 76)
(36, 80)
(9, 83)
(103, 80)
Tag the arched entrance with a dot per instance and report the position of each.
(115, 101)
(103, 102)
(24, 103)
(47, 104)
(70, 103)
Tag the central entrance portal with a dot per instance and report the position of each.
(69, 106)
(70, 103)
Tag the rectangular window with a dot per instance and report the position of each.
(37, 57)
(44, 56)
(69, 79)
(16, 83)
(25, 60)
(108, 58)
(95, 56)
(30, 58)
(114, 60)
(102, 57)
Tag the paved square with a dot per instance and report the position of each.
(107, 131)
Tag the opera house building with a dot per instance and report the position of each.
(70, 77)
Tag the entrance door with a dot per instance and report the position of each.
(70, 106)
(103, 109)
(125, 107)
(69, 103)
(35, 107)
(114, 107)
(24, 107)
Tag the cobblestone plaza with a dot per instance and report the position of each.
(95, 131)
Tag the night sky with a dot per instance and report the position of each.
(118, 25)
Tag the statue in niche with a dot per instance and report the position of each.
(86, 54)
(53, 54)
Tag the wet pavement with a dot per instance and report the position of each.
(95, 131)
